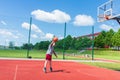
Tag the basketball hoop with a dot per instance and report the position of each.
(108, 11)
(103, 17)
(107, 17)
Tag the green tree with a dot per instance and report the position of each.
(59, 44)
(43, 45)
(11, 44)
(116, 39)
(108, 37)
(72, 45)
(83, 43)
(100, 40)
(26, 46)
(36, 46)
(68, 41)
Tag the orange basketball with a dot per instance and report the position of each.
(55, 39)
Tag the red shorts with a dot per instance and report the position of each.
(48, 57)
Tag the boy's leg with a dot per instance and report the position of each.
(45, 64)
(44, 69)
(50, 62)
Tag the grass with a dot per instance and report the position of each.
(70, 54)
(39, 54)
(112, 66)
(21, 53)
(107, 54)
(13, 53)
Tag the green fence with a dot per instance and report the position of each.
(25, 37)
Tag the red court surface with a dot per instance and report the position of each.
(62, 70)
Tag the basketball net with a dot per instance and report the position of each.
(107, 17)
(104, 17)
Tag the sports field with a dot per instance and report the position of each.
(62, 70)
(85, 37)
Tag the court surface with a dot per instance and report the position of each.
(62, 70)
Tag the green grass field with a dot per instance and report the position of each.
(39, 54)
(107, 54)
(112, 66)
(70, 54)
(22, 53)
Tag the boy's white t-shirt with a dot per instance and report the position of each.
(50, 49)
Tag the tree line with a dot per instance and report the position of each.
(67, 43)
(108, 39)
(105, 39)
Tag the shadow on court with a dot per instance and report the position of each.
(62, 70)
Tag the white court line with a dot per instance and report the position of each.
(15, 75)
(52, 59)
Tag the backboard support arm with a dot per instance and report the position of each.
(118, 20)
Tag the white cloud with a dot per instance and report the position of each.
(61, 37)
(39, 34)
(106, 27)
(7, 33)
(34, 36)
(49, 36)
(55, 16)
(34, 27)
(3, 22)
(26, 25)
(37, 30)
(83, 20)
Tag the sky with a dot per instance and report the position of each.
(48, 19)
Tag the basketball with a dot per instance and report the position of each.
(55, 39)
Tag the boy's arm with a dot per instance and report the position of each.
(55, 54)
(51, 44)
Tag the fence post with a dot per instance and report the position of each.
(29, 38)
(92, 42)
(64, 41)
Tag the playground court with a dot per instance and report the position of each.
(62, 70)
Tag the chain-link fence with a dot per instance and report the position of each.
(23, 37)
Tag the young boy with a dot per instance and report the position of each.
(49, 56)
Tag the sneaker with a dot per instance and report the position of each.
(50, 69)
(44, 69)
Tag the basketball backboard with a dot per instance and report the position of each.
(109, 10)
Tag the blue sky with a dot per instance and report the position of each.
(48, 18)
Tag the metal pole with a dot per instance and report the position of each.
(64, 41)
(29, 37)
(92, 42)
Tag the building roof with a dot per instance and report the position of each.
(89, 35)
